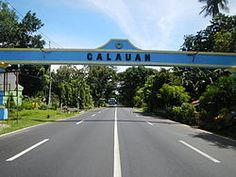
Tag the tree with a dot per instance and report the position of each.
(34, 79)
(172, 95)
(103, 82)
(218, 96)
(195, 80)
(130, 81)
(219, 36)
(69, 83)
(16, 33)
(148, 93)
(213, 7)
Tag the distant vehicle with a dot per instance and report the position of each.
(112, 101)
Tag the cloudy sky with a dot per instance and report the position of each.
(148, 24)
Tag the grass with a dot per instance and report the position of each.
(27, 118)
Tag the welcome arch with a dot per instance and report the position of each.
(114, 52)
(117, 52)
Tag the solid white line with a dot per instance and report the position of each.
(93, 115)
(79, 122)
(117, 166)
(27, 150)
(200, 152)
(150, 123)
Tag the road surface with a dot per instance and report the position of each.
(116, 142)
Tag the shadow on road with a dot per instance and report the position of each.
(122, 120)
(217, 140)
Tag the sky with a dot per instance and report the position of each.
(148, 24)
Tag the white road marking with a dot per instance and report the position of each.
(99, 112)
(137, 115)
(200, 152)
(150, 123)
(27, 150)
(117, 166)
(93, 115)
(79, 122)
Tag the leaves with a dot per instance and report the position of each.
(221, 31)
(70, 85)
(130, 81)
(212, 7)
(16, 33)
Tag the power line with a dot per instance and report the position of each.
(50, 42)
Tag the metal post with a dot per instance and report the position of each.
(233, 71)
(17, 94)
(50, 87)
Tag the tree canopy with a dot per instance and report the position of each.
(219, 36)
(16, 33)
(212, 7)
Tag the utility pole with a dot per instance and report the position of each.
(50, 86)
(50, 81)
(17, 92)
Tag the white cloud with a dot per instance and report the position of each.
(151, 24)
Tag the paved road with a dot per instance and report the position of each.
(115, 142)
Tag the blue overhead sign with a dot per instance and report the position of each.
(117, 52)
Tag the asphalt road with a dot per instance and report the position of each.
(115, 142)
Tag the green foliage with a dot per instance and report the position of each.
(70, 85)
(10, 104)
(217, 97)
(172, 95)
(225, 41)
(138, 99)
(195, 80)
(101, 102)
(102, 81)
(154, 82)
(130, 81)
(54, 106)
(43, 107)
(213, 7)
(219, 36)
(184, 113)
(15, 33)
(29, 103)
(33, 79)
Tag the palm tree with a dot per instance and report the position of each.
(213, 7)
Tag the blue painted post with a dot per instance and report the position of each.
(3, 110)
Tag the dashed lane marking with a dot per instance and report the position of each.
(27, 150)
(79, 122)
(200, 152)
(150, 123)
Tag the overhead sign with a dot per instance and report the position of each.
(117, 52)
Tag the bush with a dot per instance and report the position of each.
(216, 97)
(43, 107)
(54, 106)
(172, 95)
(10, 104)
(27, 104)
(184, 113)
(101, 102)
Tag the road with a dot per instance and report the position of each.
(116, 142)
